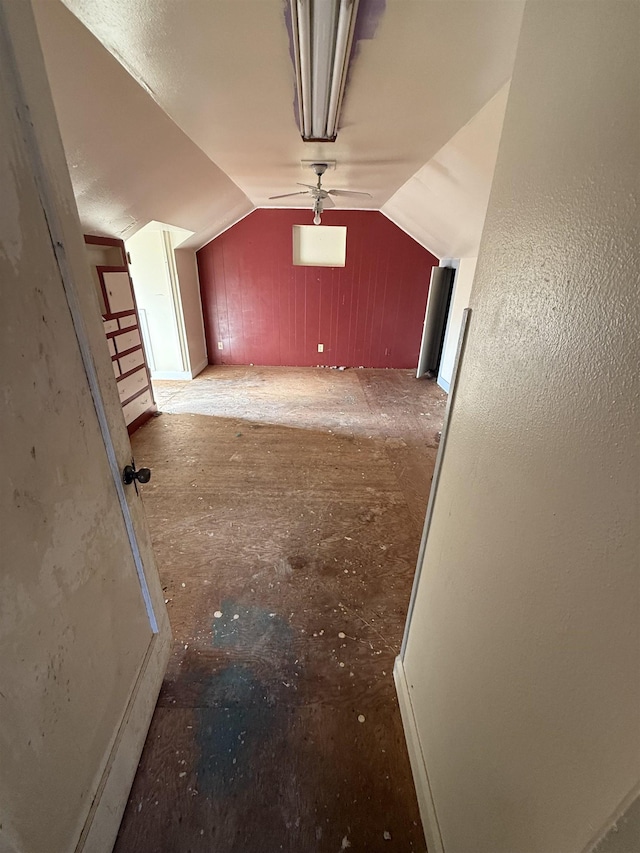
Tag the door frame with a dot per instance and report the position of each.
(436, 318)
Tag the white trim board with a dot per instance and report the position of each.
(418, 766)
(179, 375)
(412, 737)
(466, 314)
(105, 814)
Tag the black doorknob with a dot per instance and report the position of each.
(129, 474)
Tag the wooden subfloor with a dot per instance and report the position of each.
(286, 508)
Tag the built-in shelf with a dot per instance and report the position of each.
(110, 272)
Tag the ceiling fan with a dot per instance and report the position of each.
(321, 197)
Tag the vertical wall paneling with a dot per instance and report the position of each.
(265, 310)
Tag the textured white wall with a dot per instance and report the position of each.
(522, 656)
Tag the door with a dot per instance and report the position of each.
(83, 631)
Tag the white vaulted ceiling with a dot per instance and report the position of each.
(183, 110)
(444, 204)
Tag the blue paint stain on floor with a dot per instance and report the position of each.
(237, 720)
(239, 711)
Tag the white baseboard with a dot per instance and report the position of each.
(102, 824)
(418, 766)
(171, 374)
(179, 375)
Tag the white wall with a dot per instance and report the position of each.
(522, 653)
(466, 268)
(155, 298)
(167, 291)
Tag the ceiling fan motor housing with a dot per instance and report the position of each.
(320, 196)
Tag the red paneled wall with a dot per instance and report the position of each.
(267, 311)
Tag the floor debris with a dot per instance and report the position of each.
(260, 707)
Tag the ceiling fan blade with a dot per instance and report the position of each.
(308, 186)
(327, 202)
(346, 193)
(287, 195)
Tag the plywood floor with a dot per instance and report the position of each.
(286, 508)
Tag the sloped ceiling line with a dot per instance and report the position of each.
(205, 132)
(443, 205)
